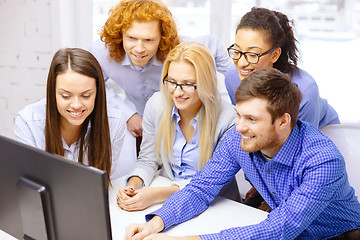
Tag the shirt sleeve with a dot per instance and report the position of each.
(127, 107)
(319, 187)
(23, 131)
(232, 81)
(202, 189)
(117, 126)
(147, 164)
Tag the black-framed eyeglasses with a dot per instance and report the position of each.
(186, 87)
(251, 57)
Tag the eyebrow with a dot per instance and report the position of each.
(64, 90)
(250, 48)
(169, 77)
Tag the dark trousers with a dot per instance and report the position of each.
(350, 235)
(231, 191)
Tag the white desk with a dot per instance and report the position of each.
(221, 214)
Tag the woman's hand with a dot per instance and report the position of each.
(135, 200)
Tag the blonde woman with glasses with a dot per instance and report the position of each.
(183, 123)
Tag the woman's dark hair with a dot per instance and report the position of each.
(97, 142)
(279, 31)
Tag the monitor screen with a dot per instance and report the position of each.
(47, 196)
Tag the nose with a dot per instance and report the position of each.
(139, 47)
(76, 103)
(240, 125)
(178, 91)
(242, 62)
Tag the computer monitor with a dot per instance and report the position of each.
(44, 196)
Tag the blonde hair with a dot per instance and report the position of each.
(199, 56)
(125, 13)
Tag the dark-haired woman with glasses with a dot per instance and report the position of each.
(265, 39)
(183, 123)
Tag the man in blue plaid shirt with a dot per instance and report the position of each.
(297, 170)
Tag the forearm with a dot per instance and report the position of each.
(162, 193)
(135, 182)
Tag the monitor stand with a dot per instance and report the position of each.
(36, 215)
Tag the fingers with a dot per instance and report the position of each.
(252, 193)
(264, 206)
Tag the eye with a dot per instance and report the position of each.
(65, 96)
(250, 54)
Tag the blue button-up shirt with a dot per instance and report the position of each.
(305, 185)
(185, 154)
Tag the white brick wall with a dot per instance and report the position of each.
(31, 32)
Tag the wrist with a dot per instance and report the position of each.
(157, 224)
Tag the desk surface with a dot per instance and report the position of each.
(232, 214)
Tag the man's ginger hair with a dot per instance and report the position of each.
(122, 16)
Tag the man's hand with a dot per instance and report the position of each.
(253, 193)
(134, 125)
(140, 231)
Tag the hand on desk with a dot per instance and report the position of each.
(149, 231)
(130, 199)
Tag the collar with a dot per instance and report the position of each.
(286, 154)
(153, 61)
(176, 116)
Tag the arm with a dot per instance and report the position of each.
(130, 199)
(117, 135)
(147, 163)
(232, 81)
(299, 210)
(203, 188)
(23, 132)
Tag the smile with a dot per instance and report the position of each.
(245, 71)
(139, 56)
(246, 138)
(76, 114)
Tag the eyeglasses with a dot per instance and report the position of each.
(183, 86)
(249, 56)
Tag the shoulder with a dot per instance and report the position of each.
(227, 111)
(34, 112)
(304, 81)
(99, 51)
(316, 145)
(114, 112)
(155, 101)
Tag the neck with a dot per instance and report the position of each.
(277, 144)
(70, 133)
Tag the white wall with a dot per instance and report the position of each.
(31, 32)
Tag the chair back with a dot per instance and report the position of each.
(347, 138)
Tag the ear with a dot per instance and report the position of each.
(275, 55)
(284, 121)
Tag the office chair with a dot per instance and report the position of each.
(347, 138)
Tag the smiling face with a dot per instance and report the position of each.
(254, 122)
(248, 40)
(75, 98)
(187, 102)
(141, 41)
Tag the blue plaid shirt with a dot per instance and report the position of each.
(305, 185)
